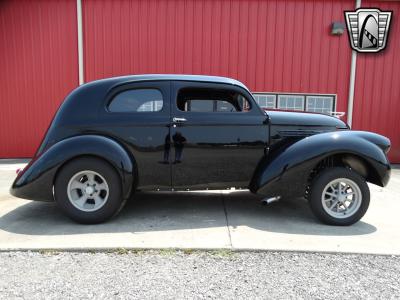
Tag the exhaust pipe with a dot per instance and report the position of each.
(266, 201)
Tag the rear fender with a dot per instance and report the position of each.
(36, 180)
(287, 172)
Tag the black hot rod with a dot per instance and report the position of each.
(161, 132)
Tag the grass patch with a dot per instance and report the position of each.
(188, 251)
(48, 252)
(121, 251)
(167, 252)
(222, 253)
(138, 251)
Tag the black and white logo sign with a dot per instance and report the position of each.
(368, 29)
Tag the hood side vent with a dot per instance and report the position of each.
(299, 132)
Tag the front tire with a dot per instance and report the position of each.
(339, 196)
(88, 190)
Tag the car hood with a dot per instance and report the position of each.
(304, 119)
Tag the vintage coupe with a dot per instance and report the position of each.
(114, 136)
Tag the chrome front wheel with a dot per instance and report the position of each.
(341, 198)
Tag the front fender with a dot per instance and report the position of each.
(287, 172)
(36, 181)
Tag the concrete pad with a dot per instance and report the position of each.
(290, 225)
(156, 222)
(199, 220)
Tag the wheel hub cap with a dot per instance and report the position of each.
(89, 190)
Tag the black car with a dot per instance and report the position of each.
(114, 136)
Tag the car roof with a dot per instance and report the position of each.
(175, 77)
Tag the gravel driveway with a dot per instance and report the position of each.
(168, 274)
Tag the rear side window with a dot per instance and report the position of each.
(137, 100)
(211, 100)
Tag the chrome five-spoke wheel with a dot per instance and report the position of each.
(87, 190)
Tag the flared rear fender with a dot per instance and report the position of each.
(36, 180)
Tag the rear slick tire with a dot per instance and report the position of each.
(88, 190)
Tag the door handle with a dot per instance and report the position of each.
(178, 120)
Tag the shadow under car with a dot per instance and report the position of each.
(163, 211)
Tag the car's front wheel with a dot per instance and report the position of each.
(88, 190)
(339, 196)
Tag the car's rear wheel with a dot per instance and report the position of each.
(88, 190)
(339, 196)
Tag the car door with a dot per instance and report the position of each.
(137, 114)
(218, 135)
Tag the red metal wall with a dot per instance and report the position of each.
(377, 90)
(275, 46)
(38, 67)
(269, 45)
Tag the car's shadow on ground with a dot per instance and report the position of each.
(183, 210)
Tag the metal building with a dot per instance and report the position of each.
(283, 50)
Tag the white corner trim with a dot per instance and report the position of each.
(353, 67)
(80, 41)
(350, 102)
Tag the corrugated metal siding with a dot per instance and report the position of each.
(38, 67)
(276, 46)
(269, 45)
(377, 92)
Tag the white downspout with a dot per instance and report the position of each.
(350, 102)
(80, 41)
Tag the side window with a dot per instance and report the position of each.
(211, 100)
(137, 100)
